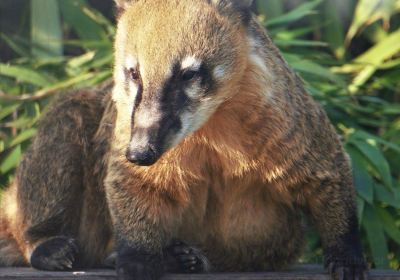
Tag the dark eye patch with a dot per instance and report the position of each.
(134, 74)
(189, 75)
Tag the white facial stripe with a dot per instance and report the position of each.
(191, 62)
(131, 62)
(259, 61)
(193, 91)
(219, 72)
(146, 118)
(120, 75)
(139, 140)
(255, 55)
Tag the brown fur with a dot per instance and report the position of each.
(233, 188)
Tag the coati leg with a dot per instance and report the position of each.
(333, 209)
(138, 233)
(144, 220)
(49, 183)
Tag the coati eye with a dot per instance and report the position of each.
(133, 74)
(189, 75)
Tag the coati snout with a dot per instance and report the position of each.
(142, 155)
(167, 106)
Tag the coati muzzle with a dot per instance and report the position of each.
(149, 142)
(143, 156)
(142, 149)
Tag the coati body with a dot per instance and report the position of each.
(207, 137)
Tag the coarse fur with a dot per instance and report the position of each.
(227, 148)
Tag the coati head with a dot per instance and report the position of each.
(176, 62)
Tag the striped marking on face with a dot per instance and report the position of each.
(191, 62)
(257, 58)
(219, 72)
(148, 117)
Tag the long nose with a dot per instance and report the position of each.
(141, 149)
(141, 155)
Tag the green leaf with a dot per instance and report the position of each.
(17, 48)
(377, 160)
(370, 61)
(6, 111)
(74, 65)
(381, 51)
(362, 135)
(299, 43)
(22, 137)
(376, 237)
(24, 74)
(362, 180)
(389, 224)
(360, 209)
(46, 32)
(301, 11)
(309, 67)
(84, 26)
(369, 11)
(385, 196)
(333, 31)
(11, 160)
(271, 8)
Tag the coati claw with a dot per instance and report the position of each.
(57, 253)
(189, 259)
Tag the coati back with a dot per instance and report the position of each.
(208, 138)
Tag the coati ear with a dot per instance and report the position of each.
(228, 6)
(122, 5)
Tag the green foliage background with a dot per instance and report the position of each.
(348, 53)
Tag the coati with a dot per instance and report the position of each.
(205, 150)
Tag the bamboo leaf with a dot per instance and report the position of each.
(386, 196)
(46, 32)
(364, 136)
(307, 66)
(376, 237)
(376, 159)
(11, 160)
(369, 11)
(271, 8)
(24, 74)
(360, 209)
(17, 48)
(84, 26)
(8, 110)
(333, 31)
(389, 224)
(22, 137)
(362, 180)
(300, 12)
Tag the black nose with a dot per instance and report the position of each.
(141, 156)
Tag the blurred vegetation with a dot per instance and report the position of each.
(347, 51)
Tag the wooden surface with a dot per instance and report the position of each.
(306, 272)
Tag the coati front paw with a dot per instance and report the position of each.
(57, 253)
(188, 259)
(340, 271)
(131, 265)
